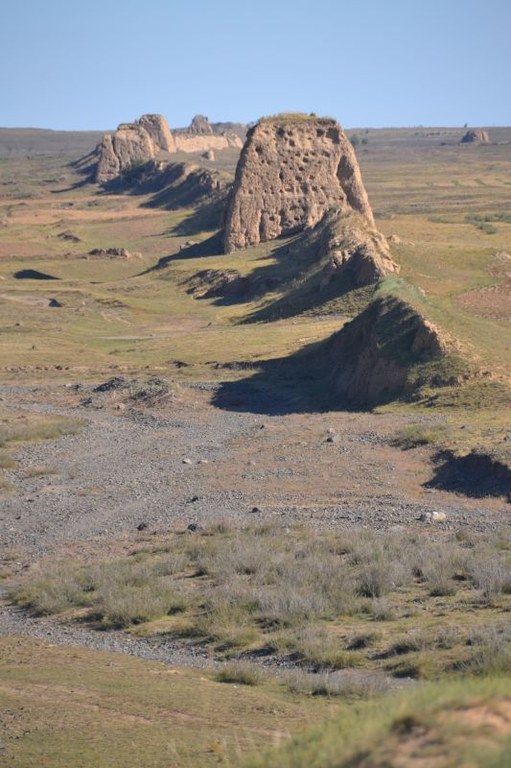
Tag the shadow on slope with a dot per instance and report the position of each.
(388, 352)
(291, 281)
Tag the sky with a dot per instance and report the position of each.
(91, 64)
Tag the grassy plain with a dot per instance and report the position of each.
(71, 706)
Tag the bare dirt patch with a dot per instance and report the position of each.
(492, 302)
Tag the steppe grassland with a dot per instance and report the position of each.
(408, 188)
(115, 319)
(112, 319)
(72, 706)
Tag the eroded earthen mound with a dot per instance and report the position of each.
(139, 142)
(383, 354)
(349, 242)
(133, 143)
(201, 126)
(475, 136)
(291, 171)
(176, 185)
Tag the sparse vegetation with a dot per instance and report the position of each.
(311, 598)
(30, 427)
(240, 672)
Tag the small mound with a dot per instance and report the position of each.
(463, 724)
(475, 136)
(69, 237)
(214, 283)
(33, 274)
(348, 241)
(121, 393)
(113, 253)
(387, 352)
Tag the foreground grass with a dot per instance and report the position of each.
(70, 706)
(414, 605)
(25, 427)
(463, 724)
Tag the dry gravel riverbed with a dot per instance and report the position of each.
(187, 462)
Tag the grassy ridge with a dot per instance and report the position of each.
(453, 724)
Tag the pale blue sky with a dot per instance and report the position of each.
(90, 64)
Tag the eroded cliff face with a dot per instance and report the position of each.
(144, 140)
(196, 142)
(133, 143)
(381, 354)
(291, 171)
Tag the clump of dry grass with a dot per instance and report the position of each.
(31, 427)
(240, 672)
(361, 685)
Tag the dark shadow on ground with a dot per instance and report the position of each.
(284, 385)
(206, 217)
(33, 274)
(477, 475)
(209, 247)
(77, 185)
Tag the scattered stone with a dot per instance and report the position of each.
(432, 517)
(116, 382)
(254, 510)
(209, 155)
(69, 237)
(141, 526)
(54, 303)
(122, 253)
(192, 499)
(193, 527)
(187, 461)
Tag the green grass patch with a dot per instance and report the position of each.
(72, 706)
(33, 427)
(451, 723)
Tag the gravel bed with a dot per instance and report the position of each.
(167, 470)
